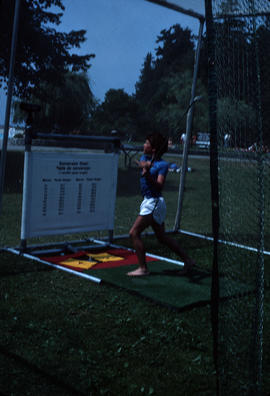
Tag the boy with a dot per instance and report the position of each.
(153, 207)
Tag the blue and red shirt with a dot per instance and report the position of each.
(159, 167)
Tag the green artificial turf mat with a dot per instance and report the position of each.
(166, 285)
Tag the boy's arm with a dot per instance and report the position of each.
(157, 184)
(144, 164)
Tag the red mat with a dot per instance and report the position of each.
(127, 258)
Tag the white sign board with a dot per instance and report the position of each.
(68, 193)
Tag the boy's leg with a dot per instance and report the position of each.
(159, 230)
(141, 223)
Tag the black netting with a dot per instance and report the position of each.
(241, 29)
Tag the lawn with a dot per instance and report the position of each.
(63, 335)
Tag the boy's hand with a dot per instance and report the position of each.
(144, 165)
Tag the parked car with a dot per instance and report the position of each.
(203, 140)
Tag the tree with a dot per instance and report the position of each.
(42, 54)
(145, 86)
(243, 51)
(236, 116)
(68, 107)
(117, 112)
(157, 93)
(229, 7)
(263, 37)
(175, 52)
(176, 90)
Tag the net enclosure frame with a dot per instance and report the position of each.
(194, 9)
(233, 30)
(212, 13)
(229, 341)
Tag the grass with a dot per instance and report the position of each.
(77, 337)
(61, 335)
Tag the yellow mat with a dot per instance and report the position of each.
(104, 257)
(84, 264)
(94, 259)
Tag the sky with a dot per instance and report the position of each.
(120, 33)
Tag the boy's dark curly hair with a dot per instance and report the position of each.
(158, 142)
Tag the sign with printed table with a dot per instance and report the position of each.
(68, 193)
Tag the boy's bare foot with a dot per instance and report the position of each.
(139, 272)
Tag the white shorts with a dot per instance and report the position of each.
(156, 206)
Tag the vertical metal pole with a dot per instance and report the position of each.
(26, 182)
(9, 98)
(213, 129)
(25, 202)
(188, 131)
(257, 350)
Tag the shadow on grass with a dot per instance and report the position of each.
(11, 266)
(52, 380)
(194, 276)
